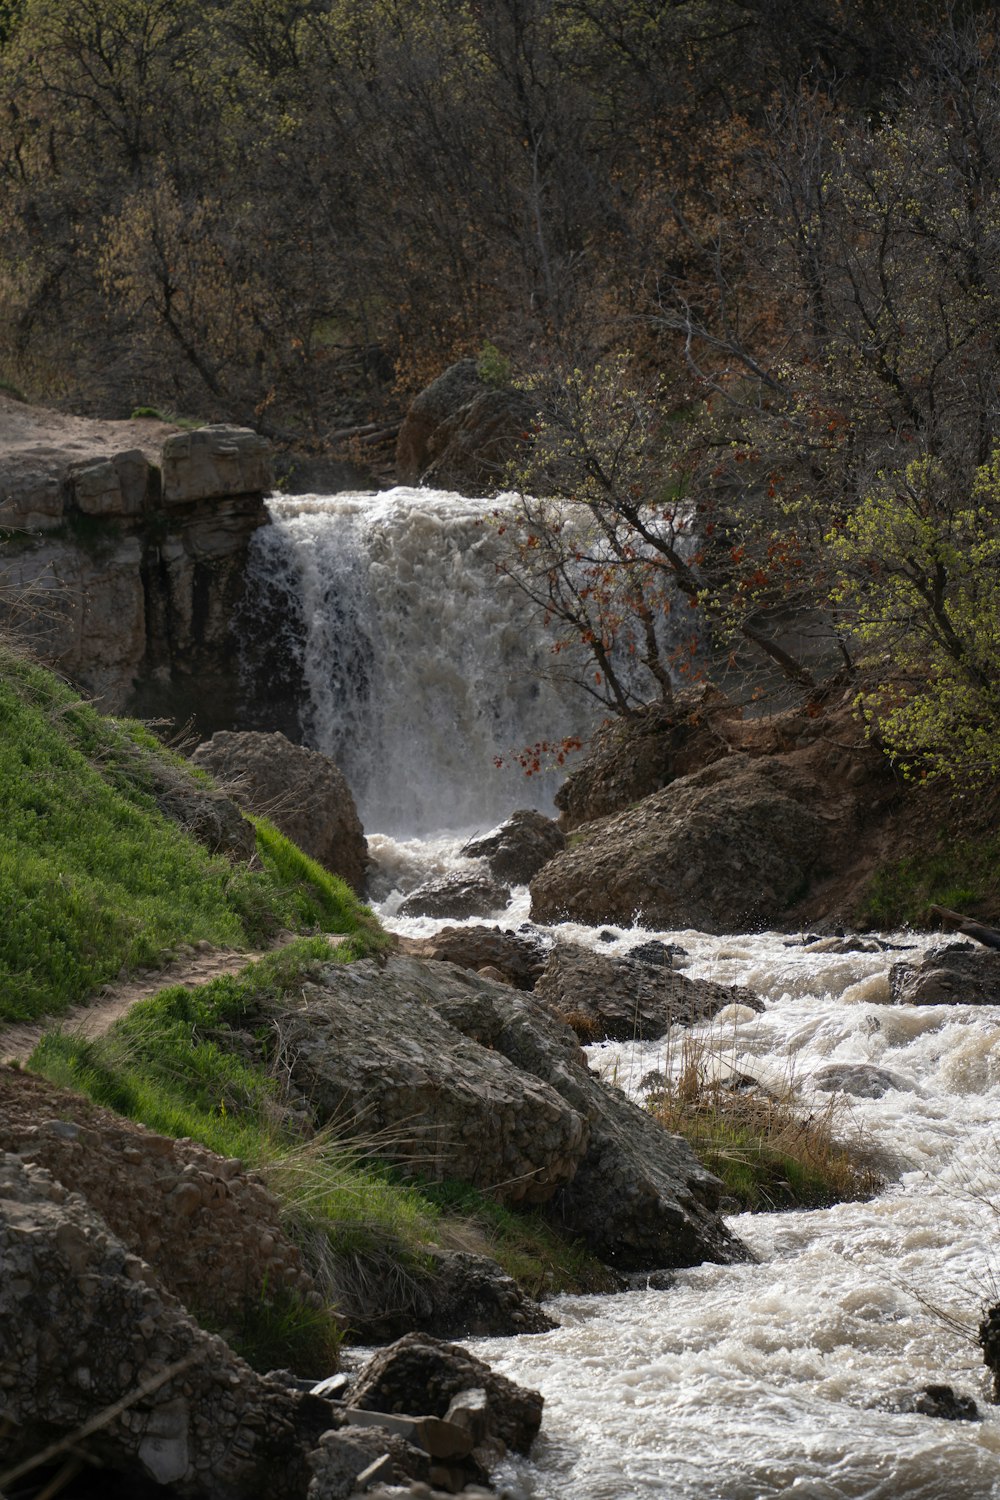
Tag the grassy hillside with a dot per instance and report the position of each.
(96, 877)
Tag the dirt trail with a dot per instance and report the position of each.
(196, 967)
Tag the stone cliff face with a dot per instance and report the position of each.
(123, 554)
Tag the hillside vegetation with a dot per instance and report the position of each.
(96, 877)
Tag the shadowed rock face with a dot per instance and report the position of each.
(130, 555)
(519, 848)
(623, 997)
(459, 432)
(959, 975)
(84, 1325)
(302, 791)
(464, 1077)
(728, 848)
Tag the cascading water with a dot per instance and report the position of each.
(421, 663)
(786, 1378)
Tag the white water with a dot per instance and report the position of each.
(779, 1379)
(422, 662)
(748, 1382)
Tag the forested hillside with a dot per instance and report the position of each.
(743, 257)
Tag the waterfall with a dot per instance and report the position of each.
(420, 664)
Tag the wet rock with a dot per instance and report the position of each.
(456, 895)
(728, 848)
(945, 1403)
(302, 792)
(989, 1342)
(422, 1374)
(518, 957)
(519, 848)
(623, 998)
(957, 975)
(860, 1079)
(350, 1460)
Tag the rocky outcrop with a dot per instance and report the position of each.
(519, 848)
(212, 1231)
(519, 958)
(125, 559)
(370, 1051)
(639, 1198)
(725, 849)
(419, 1373)
(300, 790)
(460, 433)
(629, 759)
(87, 1331)
(958, 975)
(458, 1076)
(456, 895)
(625, 998)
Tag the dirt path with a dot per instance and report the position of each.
(198, 966)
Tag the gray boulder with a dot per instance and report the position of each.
(860, 1079)
(626, 997)
(728, 848)
(457, 1076)
(459, 1295)
(419, 1373)
(639, 1198)
(457, 895)
(368, 1049)
(519, 848)
(519, 958)
(85, 1325)
(300, 790)
(957, 975)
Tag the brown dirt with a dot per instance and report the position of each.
(42, 432)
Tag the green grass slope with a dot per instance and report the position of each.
(95, 878)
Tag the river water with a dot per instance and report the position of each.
(787, 1377)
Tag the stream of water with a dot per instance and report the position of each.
(787, 1377)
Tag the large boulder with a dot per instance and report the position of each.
(300, 790)
(456, 895)
(519, 848)
(460, 432)
(957, 975)
(87, 1331)
(639, 1198)
(628, 759)
(458, 1076)
(418, 1373)
(373, 1056)
(725, 849)
(211, 1230)
(456, 1295)
(518, 957)
(625, 998)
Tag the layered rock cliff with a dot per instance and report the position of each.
(123, 554)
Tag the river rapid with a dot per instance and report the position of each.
(787, 1377)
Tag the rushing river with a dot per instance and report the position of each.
(782, 1378)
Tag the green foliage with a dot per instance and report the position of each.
(283, 1331)
(94, 878)
(962, 874)
(175, 1063)
(920, 571)
(492, 367)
